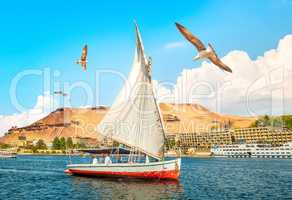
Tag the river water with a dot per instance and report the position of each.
(42, 177)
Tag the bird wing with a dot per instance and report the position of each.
(213, 57)
(84, 53)
(216, 61)
(190, 37)
(213, 50)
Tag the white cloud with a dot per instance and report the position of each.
(261, 86)
(44, 105)
(174, 45)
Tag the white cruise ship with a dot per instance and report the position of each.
(253, 151)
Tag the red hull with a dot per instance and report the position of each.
(171, 174)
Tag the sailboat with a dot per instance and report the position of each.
(135, 121)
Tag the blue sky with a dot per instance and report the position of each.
(35, 35)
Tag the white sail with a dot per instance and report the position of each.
(134, 118)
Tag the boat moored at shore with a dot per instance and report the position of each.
(7, 154)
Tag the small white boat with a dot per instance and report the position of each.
(134, 120)
(7, 154)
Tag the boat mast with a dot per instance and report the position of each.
(124, 110)
(160, 120)
(149, 67)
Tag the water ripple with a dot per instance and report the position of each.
(35, 177)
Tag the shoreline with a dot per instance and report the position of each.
(44, 154)
(61, 154)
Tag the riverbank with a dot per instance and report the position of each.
(43, 154)
(88, 155)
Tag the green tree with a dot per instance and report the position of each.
(287, 119)
(41, 145)
(275, 121)
(262, 121)
(69, 143)
(266, 120)
(62, 143)
(4, 146)
(116, 144)
(170, 144)
(56, 143)
(34, 149)
(79, 146)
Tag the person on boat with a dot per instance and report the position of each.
(118, 158)
(147, 159)
(107, 160)
(101, 158)
(94, 160)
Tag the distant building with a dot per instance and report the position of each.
(205, 140)
(86, 141)
(34, 142)
(170, 118)
(269, 135)
(106, 141)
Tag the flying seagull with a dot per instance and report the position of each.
(83, 60)
(204, 52)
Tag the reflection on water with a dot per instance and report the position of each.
(43, 177)
(129, 188)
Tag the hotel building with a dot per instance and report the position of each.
(205, 140)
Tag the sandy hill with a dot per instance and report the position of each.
(180, 118)
(82, 122)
